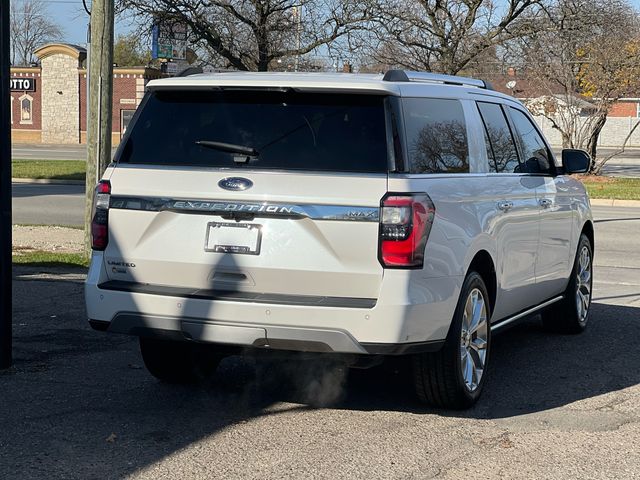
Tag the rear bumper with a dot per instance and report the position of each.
(412, 314)
(278, 338)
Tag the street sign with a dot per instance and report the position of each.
(22, 84)
(169, 40)
(173, 68)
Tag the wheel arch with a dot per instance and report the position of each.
(587, 229)
(483, 264)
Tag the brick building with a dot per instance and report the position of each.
(48, 102)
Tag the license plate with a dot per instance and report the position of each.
(242, 238)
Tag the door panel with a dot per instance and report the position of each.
(556, 230)
(516, 226)
(516, 230)
(554, 203)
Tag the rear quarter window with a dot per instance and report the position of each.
(290, 130)
(436, 135)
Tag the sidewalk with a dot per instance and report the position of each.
(610, 202)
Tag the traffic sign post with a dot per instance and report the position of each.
(169, 40)
(5, 192)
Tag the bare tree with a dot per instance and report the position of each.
(443, 35)
(30, 27)
(255, 34)
(580, 66)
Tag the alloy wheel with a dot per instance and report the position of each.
(474, 339)
(583, 284)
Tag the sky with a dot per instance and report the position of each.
(70, 15)
(72, 18)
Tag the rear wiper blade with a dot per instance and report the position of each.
(231, 148)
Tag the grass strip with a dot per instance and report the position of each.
(617, 188)
(38, 258)
(49, 169)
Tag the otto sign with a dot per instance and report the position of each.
(22, 84)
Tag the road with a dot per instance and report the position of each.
(48, 152)
(79, 152)
(44, 204)
(626, 164)
(617, 255)
(79, 405)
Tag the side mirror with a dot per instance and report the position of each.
(575, 161)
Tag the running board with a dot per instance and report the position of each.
(503, 323)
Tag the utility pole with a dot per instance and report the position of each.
(88, 82)
(99, 103)
(297, 13)
(5, 192)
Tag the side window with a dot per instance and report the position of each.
(535, 153)
(436, 136)
(501, 150)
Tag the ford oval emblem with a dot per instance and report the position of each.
(235, 183)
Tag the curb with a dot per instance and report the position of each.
(608, 202)
(48, 181)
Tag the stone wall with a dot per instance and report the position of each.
(60, 99)
(612, 135)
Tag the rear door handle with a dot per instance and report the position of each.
(505, 205)
(545, 202)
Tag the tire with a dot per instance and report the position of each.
(571, 314)
(178, 362)
(447, 379)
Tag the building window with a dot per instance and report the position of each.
(125, 119)
(26, 109)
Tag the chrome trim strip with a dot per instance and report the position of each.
(508, 320)
(238, 296)
(264, 209)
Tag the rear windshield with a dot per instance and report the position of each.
(286, 130)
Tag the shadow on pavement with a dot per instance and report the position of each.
(79, 404)
(531, 370)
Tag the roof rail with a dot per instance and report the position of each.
(408, 76)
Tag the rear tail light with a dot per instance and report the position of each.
(100, 217)
(405, 225)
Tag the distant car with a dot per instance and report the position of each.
(365, 215)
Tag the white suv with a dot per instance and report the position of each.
(360, 215)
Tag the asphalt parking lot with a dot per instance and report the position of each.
(78, 403)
